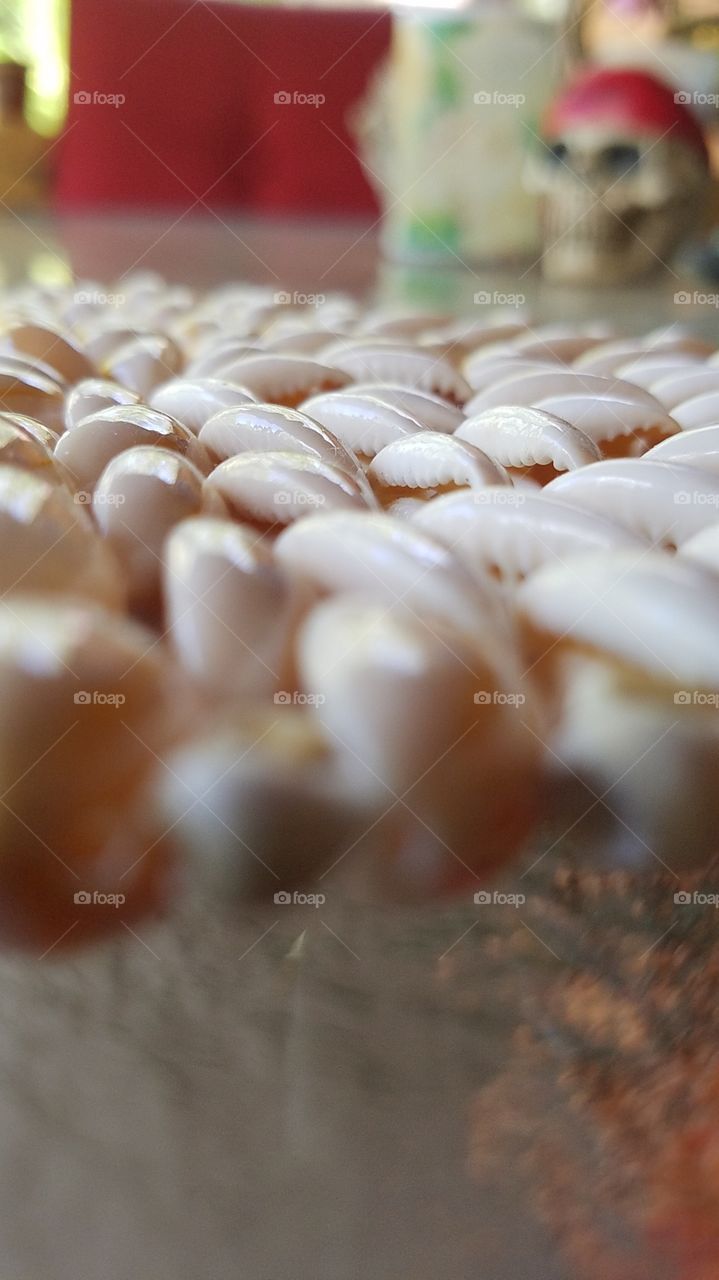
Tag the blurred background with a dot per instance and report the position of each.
(417, 120)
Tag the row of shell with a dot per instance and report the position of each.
(297, 591)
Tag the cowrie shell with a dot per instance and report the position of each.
(430, 411)
(519, 436)
(49, 544)
(27, 391)
(286, 380)
(144, 362)
(657, 612)
(89, 705)
(430, 461)
(363, 423)
(511, 533)
(394, 561)
(665, 502)
(678, 385)
(93, 442)
(700, 411)
(193, 401)
(50, 347)
(140, 496)
(367, 361)
(398, 697)
(645, 370)
(696, 448)
(277, 488)
(219, 357)
(273, 428)
(606, 358)
(230, 607)
(91, 395)
(486, 373)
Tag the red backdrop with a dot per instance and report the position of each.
(199, 120)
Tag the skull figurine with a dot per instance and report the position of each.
(621, 174)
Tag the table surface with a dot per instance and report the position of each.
(349, 1093)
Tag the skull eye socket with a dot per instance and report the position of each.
(559, 152)
(621, 157)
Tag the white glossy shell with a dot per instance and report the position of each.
(511, 533)
(192, 401)
(430, 461)
(363, 423)
(665, 502)
(277, 488)
(658, 613)
(519, 436)
(367, 361)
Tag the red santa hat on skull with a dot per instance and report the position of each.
(630, 99)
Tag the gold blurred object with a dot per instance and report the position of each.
(24, 170)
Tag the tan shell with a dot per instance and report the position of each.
(536, 387)
(653, 611)
(674, 388)
(219, 357)
(696, 448)
(193, 401)
(230, 609)
(32, 393)
(87, 709)
(49, 544)
(269, 772)
(390, 559)
(703, 548)
(36, 430)
(274, 428)
(363, 423)
(92, 395)
(50, 347)
(646, 370)
(404, 703)
(89, 446)
(606, 358)
(144, 363)
(519, 436)
(431, 461)
(277, 488)
(140, 496)
(699, 411)
(483, 373)
(368, 361)
(20, 448)
(285, 380)
(430, 411)
(511, 533)
(665, 502)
